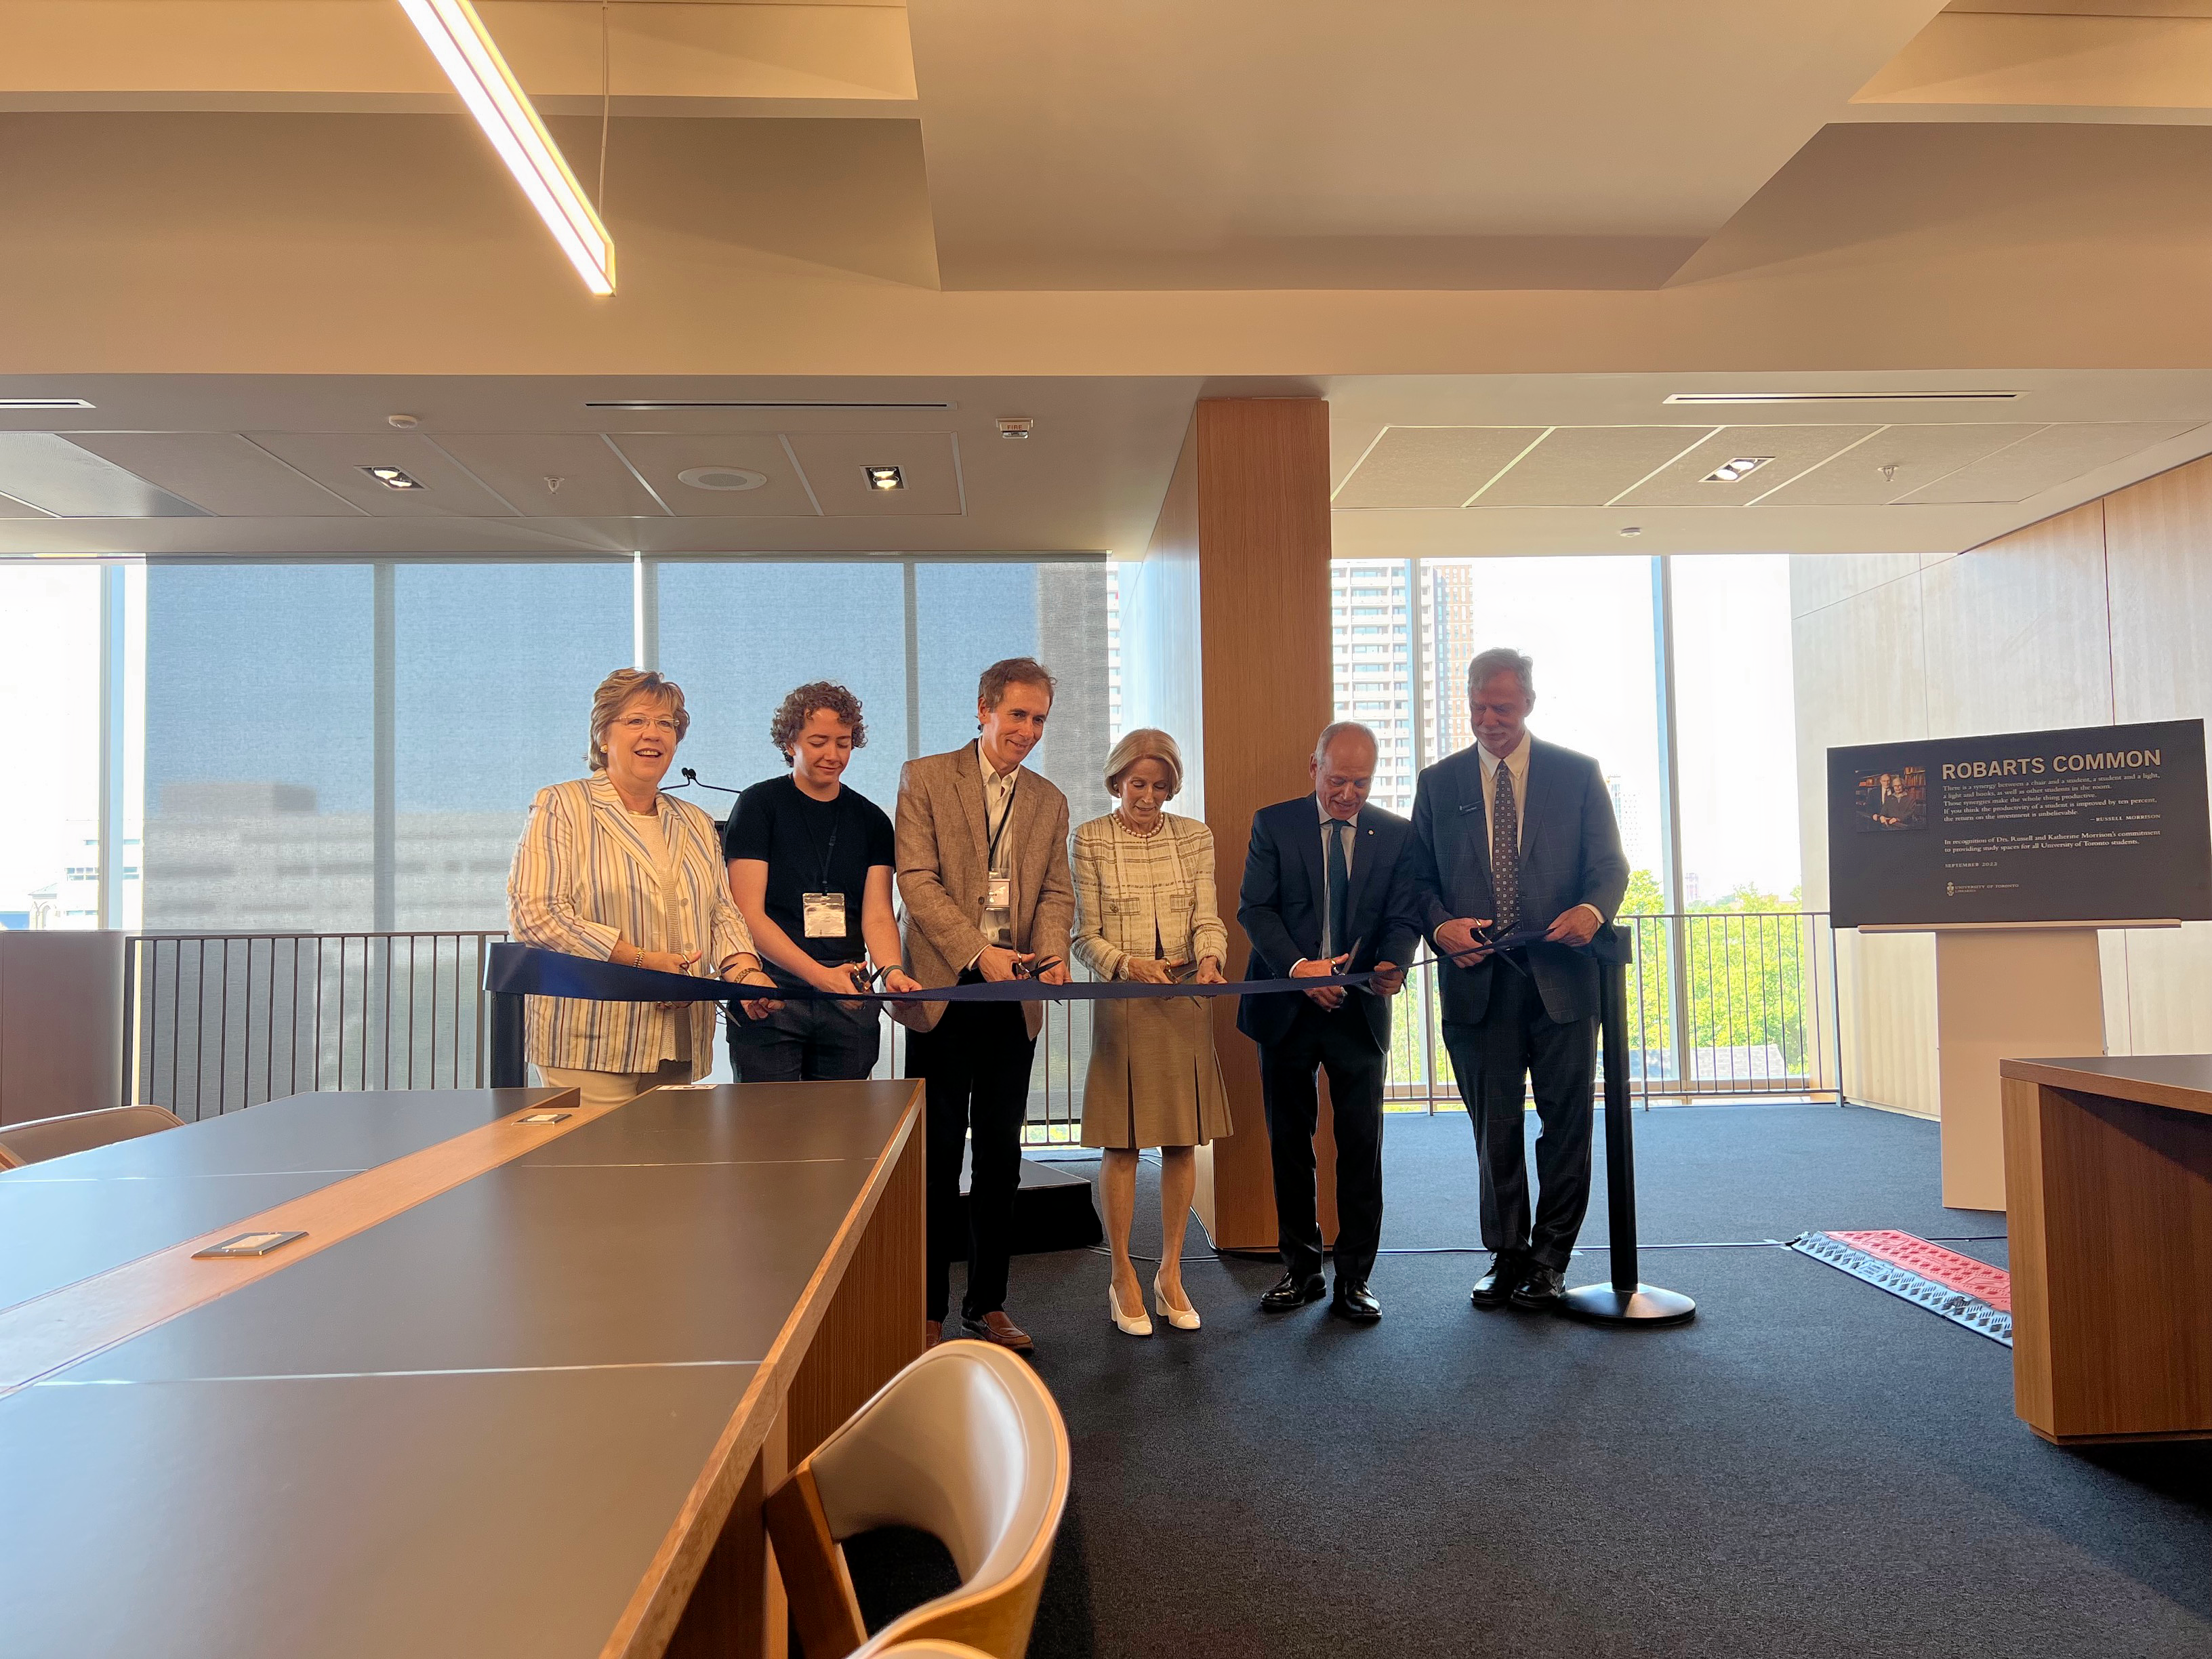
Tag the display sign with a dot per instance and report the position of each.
(2100, 824)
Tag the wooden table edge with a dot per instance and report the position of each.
(648, 1622)
(2058, 1074)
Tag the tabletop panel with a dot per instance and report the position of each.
(54, 1233)
(740, 1122)
(337, 1132)
(353, 1519)
(2180, 1083)
(523, 1267)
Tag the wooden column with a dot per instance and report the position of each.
(1225, 629)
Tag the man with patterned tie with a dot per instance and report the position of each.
(1326, 892)
(1516, 864)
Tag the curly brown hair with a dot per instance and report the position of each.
(792, 713)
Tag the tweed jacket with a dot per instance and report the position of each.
(943, 873)
(1145, 896)
(584, 878)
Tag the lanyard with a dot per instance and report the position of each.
(836, 823)
(991, 851)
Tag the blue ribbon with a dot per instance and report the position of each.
(526, 971)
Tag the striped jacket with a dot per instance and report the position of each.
(582, 878)
(1139, 895)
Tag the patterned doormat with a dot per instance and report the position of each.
(1964, 1290)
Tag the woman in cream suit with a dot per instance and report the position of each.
(1144, 910)
(610, 867)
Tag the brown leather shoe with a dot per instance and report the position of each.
(995, 1327)
(932, 1332)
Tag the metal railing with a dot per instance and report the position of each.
(213, 1023)
(1723, 1005)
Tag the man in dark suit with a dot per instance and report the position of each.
(1516, 864)
(1327, 891)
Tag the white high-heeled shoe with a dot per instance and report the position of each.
(1137, 1324)
(1184, 1319)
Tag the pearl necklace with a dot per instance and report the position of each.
(1141, 835)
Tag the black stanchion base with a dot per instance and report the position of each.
(1602, 1305)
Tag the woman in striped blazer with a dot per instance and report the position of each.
(611, 868)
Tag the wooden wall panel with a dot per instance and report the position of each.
(61, 1023)
(1817, 583)
(1232, 599)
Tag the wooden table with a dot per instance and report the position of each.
(2108, 1169)
(525, 1401)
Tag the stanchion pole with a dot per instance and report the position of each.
(506, 1069)
(1626, 1300)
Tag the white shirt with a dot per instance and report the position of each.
(1351, 838)
(1516, 768)
(998, 802)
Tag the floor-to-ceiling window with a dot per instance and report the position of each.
(49, 662)
(1705, 792)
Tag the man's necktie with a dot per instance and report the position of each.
(1339, 890)
(1504, 851)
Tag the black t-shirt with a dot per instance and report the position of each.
(812, 847)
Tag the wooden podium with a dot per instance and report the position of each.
(2108, 1165)
(2005, 990)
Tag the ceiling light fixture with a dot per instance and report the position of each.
(885, 478)
(1742, 467)
(725, 403)
(463, 46)
(721, 478)
(1835, 397)
(392, 478)
(44, 403)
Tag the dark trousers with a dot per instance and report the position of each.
(806, 1043)
(1341, 1044)
(974, 1064)
(1516, 1039)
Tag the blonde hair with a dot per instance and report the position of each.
(1146, 743)
(618, 689)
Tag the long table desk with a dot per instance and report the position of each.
(2108, 1178)
(531, 1413)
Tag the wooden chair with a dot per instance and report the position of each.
(965, 1443)
(925, 1649)
(80, 1132)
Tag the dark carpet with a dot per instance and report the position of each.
(1812, 1468)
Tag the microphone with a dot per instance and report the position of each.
(691, 782)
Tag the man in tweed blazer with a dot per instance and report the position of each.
(983, 870)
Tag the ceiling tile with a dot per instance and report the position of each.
(220, 471)
(593, 481)
(48, 472)
(1431, 466)
(335, 460)
(837, 466)
(662, 457)
(2047, 459)
(1588, 465)
(1915, 456)
(1789, 450)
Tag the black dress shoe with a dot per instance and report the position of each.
(1543, 1289)
(1353, 1302)
(1292, 1291)
(1504, 1277)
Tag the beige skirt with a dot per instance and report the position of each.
(1153, 1080)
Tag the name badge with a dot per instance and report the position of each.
(824, 914)
(1000, 894)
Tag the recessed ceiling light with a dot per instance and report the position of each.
(44, 403)
(1742, 467)
(721, 478)
(885, 478)
(1834, 397)
(392, 478)
(1631, 530)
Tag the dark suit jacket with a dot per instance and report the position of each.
(1570, 854)
(1279, 908)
